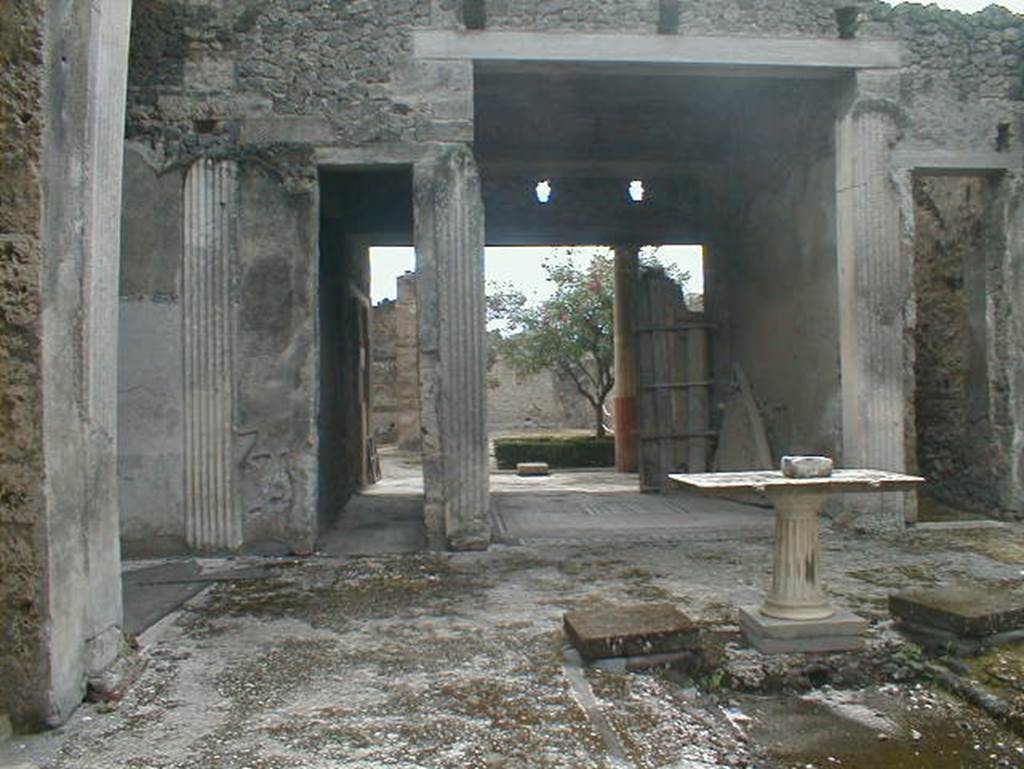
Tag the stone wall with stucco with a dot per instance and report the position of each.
(955, 446)
(540, 401)
(515, 402)
(779, 277)
(210, 79)
(574, 15)
(23, 549)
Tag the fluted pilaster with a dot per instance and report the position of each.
(212, 520)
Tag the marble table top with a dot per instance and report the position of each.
(767, 480)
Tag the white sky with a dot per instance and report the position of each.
(521, 266)
(970, 6)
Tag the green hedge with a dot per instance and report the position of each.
(556, 450)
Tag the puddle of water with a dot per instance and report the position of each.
(894, 729)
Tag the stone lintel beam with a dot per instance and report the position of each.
(385, 154)
(941, 161)
(784, 55)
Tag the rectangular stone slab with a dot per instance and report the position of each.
(631, 631)
(966, 610)
(762, 480)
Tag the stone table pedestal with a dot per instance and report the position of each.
(796, 615)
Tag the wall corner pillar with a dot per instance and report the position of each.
(449, 234)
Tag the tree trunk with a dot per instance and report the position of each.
(599, 430)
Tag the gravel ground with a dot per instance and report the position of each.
(458, 660)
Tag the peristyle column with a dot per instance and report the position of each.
(626, 267)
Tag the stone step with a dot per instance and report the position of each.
(631, 631)
(973, 611)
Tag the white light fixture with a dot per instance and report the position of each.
(543, 191)
(636, 190)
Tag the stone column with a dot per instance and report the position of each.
(874, 287)
(407, 360)
(449, 234)
(212, 520)
(626, 266)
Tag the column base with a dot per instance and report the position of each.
(775, 610)
(843, 631)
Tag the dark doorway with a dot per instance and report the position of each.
(953, 446)
(359, 209)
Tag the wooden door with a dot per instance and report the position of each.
(673, 382)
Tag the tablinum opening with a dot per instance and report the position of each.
(359, 209)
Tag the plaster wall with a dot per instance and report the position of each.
(150, 381)
(276, 360)
(150, 413)
(784, 309)
(340, 406)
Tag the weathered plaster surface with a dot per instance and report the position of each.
(449, 222)
(783, 288)
(84, 108)
(150, 383)
(150, 414)
(276, 366)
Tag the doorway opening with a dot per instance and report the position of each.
(954, 444)
(370, 501)
(627, 155)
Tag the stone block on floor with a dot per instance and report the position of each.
(970, 611)
(631, 631)
(532, 468)
(843, 631)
